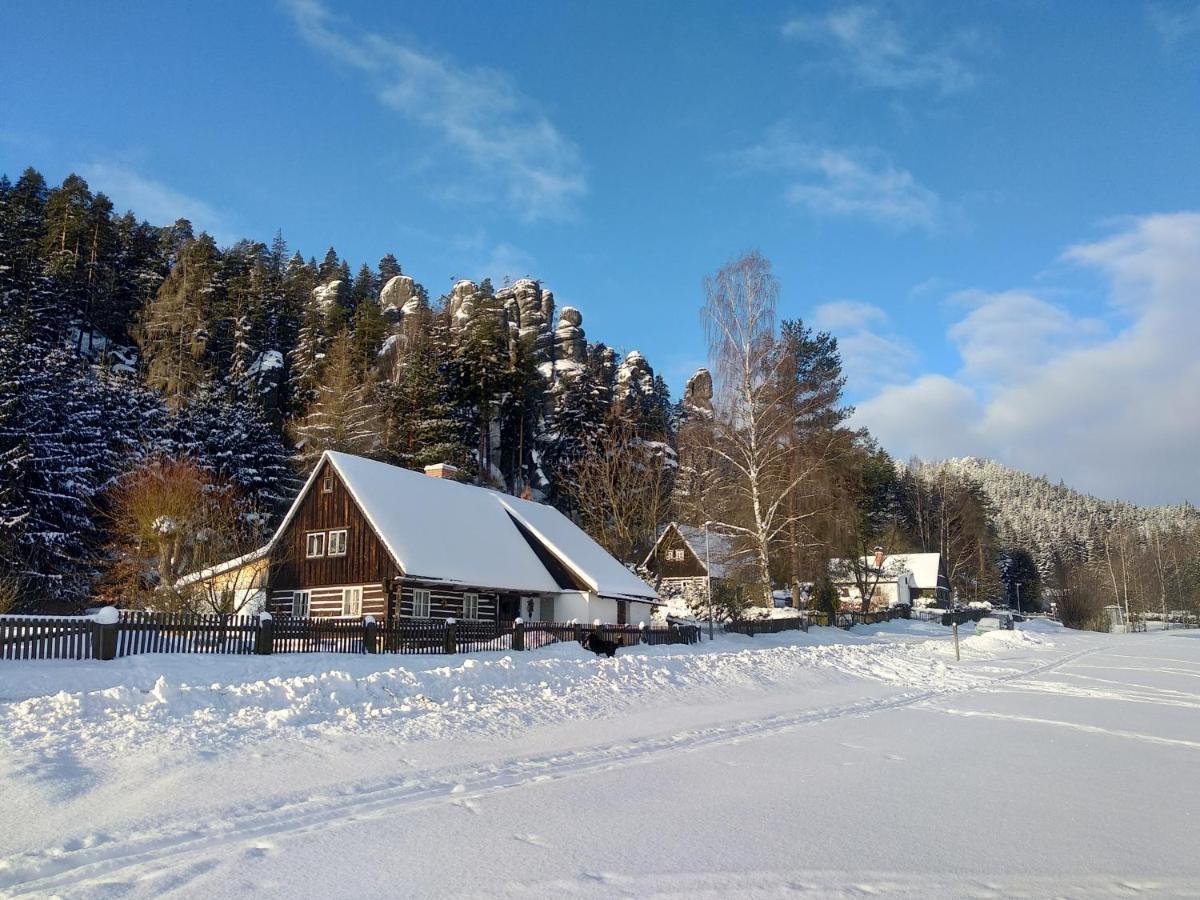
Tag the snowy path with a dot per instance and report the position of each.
(705, 774)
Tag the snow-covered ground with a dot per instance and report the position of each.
(1047, 762)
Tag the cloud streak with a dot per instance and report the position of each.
(844, 182)
(153, 200)
(477, 113)
(875, 51)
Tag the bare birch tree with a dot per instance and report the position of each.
(753, 421)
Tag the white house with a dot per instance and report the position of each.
(899, 579)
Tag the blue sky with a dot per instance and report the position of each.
(993, 206)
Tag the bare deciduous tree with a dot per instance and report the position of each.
(622, 489)
(170, 519)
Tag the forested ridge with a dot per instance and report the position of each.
(147, 373)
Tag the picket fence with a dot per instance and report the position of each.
(131, 632)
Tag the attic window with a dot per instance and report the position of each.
(675, 554)
(327, 485)
(315, 544)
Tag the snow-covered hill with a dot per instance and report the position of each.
(1035, 513)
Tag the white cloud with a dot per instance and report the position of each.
(849, 183)
(1175, 24)
(840, 315)
(1008, 334)
(1115, 414)
(871, 355)
(478, 113)
(154, 201)
(875, 50)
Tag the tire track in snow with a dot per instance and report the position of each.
(161, 850)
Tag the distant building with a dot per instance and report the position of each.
(898, 580)
(683, 567)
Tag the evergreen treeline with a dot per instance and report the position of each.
(122, 342)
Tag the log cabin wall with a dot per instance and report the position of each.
(448, 604)
(327, 507)
(326, 602)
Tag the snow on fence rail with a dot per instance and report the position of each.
(110, 634)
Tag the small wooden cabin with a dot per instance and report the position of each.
(366, 538)
(682, 563)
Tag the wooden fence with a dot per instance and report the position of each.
(844, 619)
(129, 633)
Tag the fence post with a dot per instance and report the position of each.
(266, 634)
(518, 638)
(641, 632)
(451, 636)
(369, 635)
(104, 633)
(578, 631)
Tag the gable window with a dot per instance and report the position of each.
(675, 554)
(327, 485)
(337, 542)
(315, 544)
(352, 601)
(420, 604)
(300, 604)
(470, 606)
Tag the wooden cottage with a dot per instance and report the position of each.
(366, 538)
(683, 564)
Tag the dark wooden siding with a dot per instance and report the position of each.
(366, 561)
(689, 567)
(445, 603)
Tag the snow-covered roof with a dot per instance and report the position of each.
(576, 548)
(922, 566)
(442, 530)
(229, 565)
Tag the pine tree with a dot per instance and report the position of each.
(389, 268)
(366, 287)
(175, 330)
(344, 415)
(421, 426)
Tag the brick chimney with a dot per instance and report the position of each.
(442, 470)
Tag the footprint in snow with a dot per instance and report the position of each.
(533, 840)
(469, 805)
(258, 851)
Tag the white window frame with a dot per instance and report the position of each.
(301, 603)
(470, 606)
(352, 599)
(308, 545)
(675, 554)
(329, 543)
(422, 597)
(327, 485)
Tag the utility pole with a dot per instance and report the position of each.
(708, 580)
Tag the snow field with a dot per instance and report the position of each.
(829, 763)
